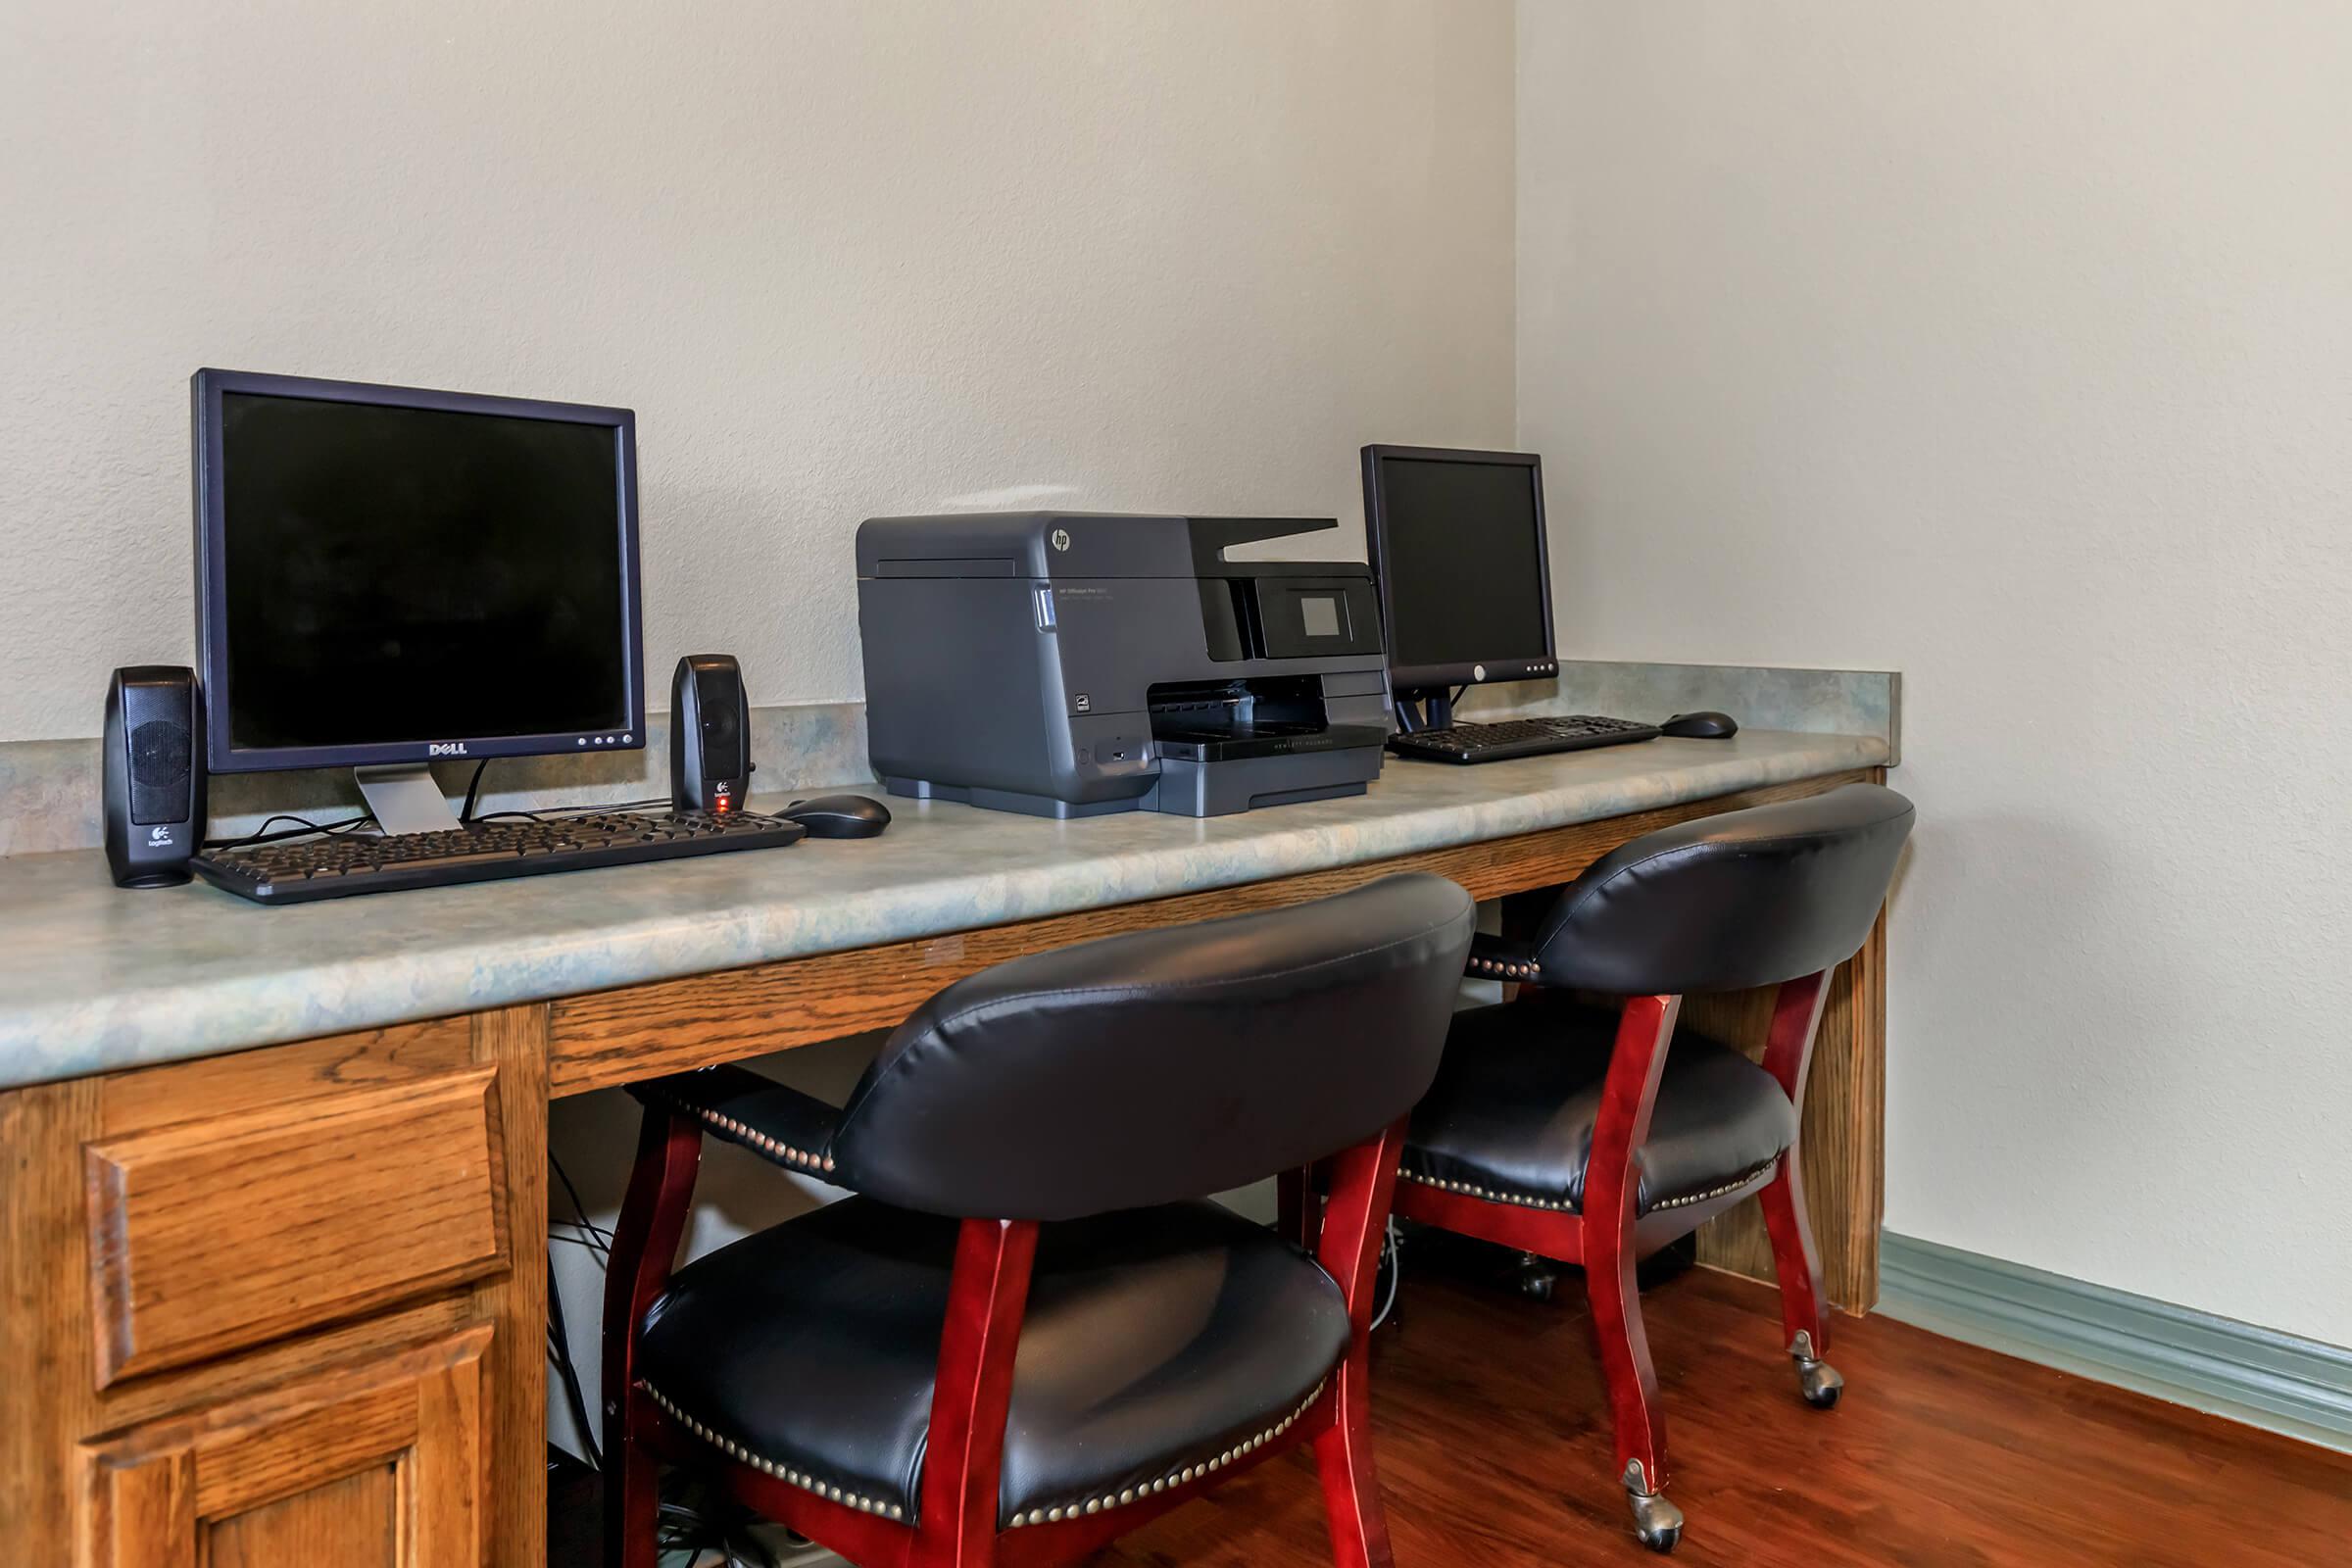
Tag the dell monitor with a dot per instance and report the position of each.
(387, 576)
(1457, 541)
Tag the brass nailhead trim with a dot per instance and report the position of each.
(1502, 970)
(1529, 1201)
(1473, 1190)
(1732, 1186)
(759, 1140)
(791, 1476)
(1174, 1478)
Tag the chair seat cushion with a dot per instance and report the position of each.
(1154, 1340)
(1511, 1113)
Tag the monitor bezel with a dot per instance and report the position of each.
(207, 387)
(1464, 672)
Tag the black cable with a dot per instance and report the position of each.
(474, 793)
(560, 1352)
(579, 1208)
(688, 1528)
(589, 1242)
(473, 796)
(599, 1242)
(575, 810)
(564, 813)
(263, 835)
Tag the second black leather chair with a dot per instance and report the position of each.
(1030, 1333)
(1571, 1131)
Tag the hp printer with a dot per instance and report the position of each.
(1075, 664)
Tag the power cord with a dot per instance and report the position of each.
(690, 1519)
(599, 1242)
(466, 817)
(473, 792)
(1392, 1252)
(564, 813)
(694, 1522)
(263, 835)
(559, 1354)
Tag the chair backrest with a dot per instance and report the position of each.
(1164, 1065)
(1746, 898)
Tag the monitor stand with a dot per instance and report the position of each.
(404, 797)
(1431, 707)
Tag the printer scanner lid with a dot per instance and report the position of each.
(1079, 544)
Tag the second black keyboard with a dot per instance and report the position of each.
(1520, 737)
(335, 865)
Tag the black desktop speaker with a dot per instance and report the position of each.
(154, 772)
(709, 735)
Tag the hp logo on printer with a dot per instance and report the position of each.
(446, 749)
(1061, 538)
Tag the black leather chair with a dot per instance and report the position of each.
(1571, 1131)
(1030, 1333)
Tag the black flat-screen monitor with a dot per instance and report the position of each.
(1456, 540)
(391, 576)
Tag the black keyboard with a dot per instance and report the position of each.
(337, 865)
(1519, 737)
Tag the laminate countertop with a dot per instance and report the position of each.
(95, 978)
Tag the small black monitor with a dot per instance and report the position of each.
(386, 576)
(1456, 540)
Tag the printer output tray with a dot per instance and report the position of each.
(1230, 743)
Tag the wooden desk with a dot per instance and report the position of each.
(288, 1305)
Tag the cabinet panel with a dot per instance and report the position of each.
(354, 1520)
(377, 1465)
(211, 1236)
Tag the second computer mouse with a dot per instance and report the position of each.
(1704, 725)
(839, 816)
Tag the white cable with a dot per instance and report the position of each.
(1393, 1245)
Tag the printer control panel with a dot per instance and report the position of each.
(1289, 617)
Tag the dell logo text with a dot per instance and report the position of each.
(446, 749)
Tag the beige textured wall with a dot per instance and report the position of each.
(2008, 345)
(842, 259)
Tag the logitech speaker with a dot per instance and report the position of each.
(709, 735)
(153, 768)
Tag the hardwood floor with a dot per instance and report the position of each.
(1493, 1454)
(1494, 1451)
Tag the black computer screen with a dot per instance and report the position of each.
(397, 575)
(1460, 561)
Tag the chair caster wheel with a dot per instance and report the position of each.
(1816, 1379)
(1657, 1523)
(1537, 1277)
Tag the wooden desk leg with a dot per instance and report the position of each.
(515, 1039)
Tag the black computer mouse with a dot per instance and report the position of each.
(1704, 725)
(839, 816)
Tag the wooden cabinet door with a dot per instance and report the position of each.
(379, 1464)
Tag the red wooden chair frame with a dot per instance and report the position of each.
(1606, 1239)
(957, 1521)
